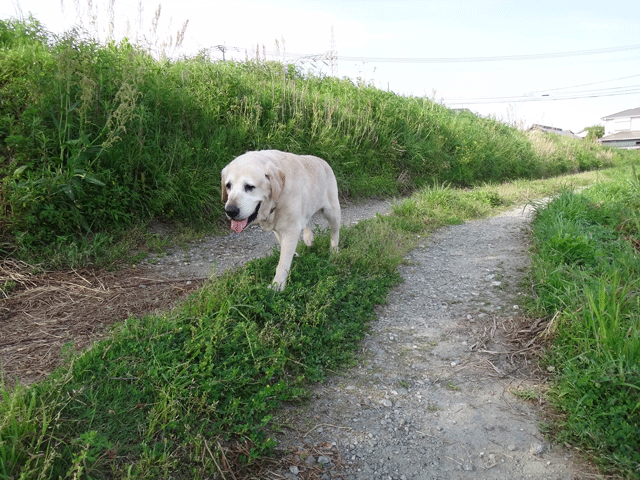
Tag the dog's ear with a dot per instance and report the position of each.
(223, 188)
(276, 178)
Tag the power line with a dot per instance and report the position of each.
(537, 56)
(586, 84)
(332, 56)
(583, 94)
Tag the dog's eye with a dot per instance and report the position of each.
(228, 185)
(248, 188)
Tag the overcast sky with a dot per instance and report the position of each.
(563, 64)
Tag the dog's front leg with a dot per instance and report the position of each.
(288, 243)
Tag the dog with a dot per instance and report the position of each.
(282, 191)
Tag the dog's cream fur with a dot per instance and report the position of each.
(282, 191)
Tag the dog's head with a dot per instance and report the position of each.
(251, 186)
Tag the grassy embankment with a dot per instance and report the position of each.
(97, 140)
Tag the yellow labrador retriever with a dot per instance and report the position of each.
(282, 191)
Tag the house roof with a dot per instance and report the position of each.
(621, 136)
(633, 112)
(556, 130)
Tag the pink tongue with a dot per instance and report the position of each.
(238, 226)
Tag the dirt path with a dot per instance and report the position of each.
(432, 395)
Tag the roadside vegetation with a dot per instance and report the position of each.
(100, 139)
(97, 140)
(586, 276)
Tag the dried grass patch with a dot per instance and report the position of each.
(512, 347)
(41, 312)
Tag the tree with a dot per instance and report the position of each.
(595, 132)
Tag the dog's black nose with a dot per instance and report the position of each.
(232, 211)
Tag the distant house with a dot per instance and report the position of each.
(622, 129)
(558, 131)
(582, 134)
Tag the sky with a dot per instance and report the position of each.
(561, 64)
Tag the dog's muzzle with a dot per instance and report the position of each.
(238, 226)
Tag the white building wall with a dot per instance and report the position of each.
(617, 125)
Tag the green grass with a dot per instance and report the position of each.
(586, 271)
(163, 393)
(98, 139)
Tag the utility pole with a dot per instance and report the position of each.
(223, 49)
(333, 56)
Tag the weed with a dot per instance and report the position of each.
(586, 274)
(449, 385)
(529, 394)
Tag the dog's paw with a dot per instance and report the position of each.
(307, 236)
(278, 287)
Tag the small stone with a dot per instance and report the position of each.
(322, 460)
(295, 470)
(536, 449)
(387, 403)
(511, 447)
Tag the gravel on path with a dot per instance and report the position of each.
(431, 397)
(432, 394)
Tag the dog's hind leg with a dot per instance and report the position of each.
(307, 235)
(334, 223)
(333, 217)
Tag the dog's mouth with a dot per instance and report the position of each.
(239, 225)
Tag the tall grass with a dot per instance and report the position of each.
(587, 275)
(98, 137)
